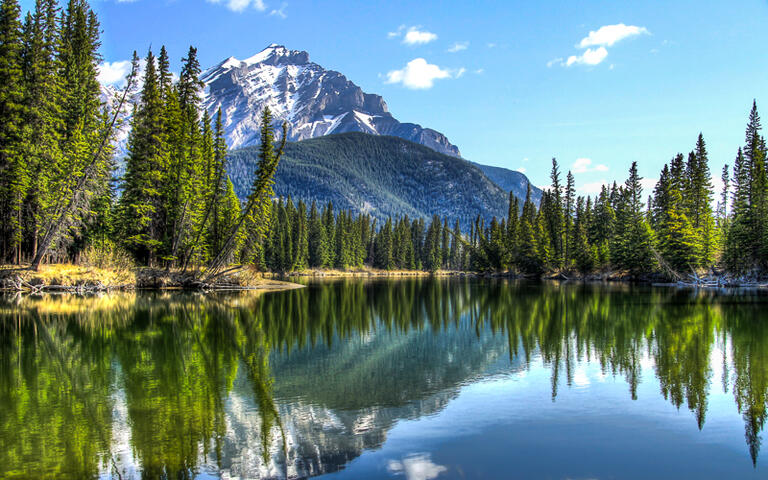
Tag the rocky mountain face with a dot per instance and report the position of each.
(312, 100)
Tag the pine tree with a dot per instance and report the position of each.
(513, 230)
(433, 248)
(569, 205)
(554, 218)
(140, 203)
(14, 176)
(317, 243)
(738, 254)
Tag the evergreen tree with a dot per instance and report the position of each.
(317, 240)
(140, 203)
(433, 247)
(14, 176)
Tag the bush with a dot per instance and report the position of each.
(107, 256)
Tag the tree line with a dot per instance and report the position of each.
(175, 205)
(676, 229)
(320, 238)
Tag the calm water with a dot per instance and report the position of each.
(411, 379)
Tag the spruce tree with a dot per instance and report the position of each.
(141, 201)
(14, 175)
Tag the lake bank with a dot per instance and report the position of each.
(68, 278)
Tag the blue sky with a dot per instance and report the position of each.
(495, 77)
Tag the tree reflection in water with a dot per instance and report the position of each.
(181, 363)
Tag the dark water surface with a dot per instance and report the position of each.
(412, 379)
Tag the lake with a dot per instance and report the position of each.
(415, 379)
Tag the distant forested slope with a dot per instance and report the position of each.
(380, 175)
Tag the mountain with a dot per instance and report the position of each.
(380, 175)
(312, 100)
(511, 180)
(345, 145)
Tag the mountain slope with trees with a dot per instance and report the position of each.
(511, 181)
(380, 176)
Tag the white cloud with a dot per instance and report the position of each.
(460, 72)
(589, 57)
(555, 61)
(416, 467)
(279, 12)
(480, 71)
(241, 5)
(397, 32)
(418, 74)
(458, 46)
(584, 165)
(522, 169)
(608, 35)
(414, 36)
(595, 43)
(114, 73)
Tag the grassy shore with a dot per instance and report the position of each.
(83, 279)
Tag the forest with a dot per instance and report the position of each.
(175, 206)
(681, 227)
(60, 200)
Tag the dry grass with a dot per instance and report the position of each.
(72, 275)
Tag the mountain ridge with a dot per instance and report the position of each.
(312, 100)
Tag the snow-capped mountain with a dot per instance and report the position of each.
(312, 100)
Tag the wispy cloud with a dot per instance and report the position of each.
(279, 12)
(418, 74)
(458, 46)
(596, 42)
(555, 61)
(242, 5)
(413, 35)
(584, 165)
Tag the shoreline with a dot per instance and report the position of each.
(80, 279)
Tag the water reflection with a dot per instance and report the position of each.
(299, 383)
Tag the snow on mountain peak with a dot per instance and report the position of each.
(313, 101)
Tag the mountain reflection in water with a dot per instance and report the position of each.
(301, 383)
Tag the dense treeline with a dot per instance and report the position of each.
(55, 166)
(303, 238)
(672, 232)
(176, 205)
